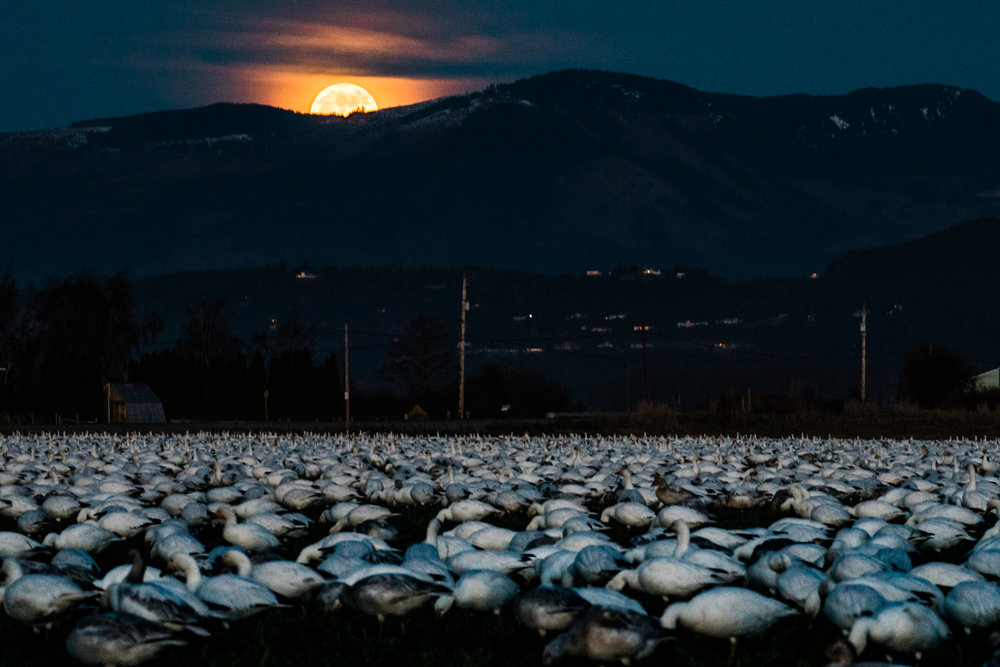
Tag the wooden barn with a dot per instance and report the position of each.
(133, 404)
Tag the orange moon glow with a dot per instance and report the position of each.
(343, 99)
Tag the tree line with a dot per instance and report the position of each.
(62, 343)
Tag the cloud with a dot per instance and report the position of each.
(380, 43)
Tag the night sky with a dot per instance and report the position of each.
(67, 60)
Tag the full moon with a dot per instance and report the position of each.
(343, 99)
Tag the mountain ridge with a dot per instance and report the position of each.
(558, 172)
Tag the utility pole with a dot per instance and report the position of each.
(461, 351)
(642, 329)
(864, 350)
(347, 385)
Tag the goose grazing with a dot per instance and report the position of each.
(83, 536)
(118, 639)
(39, 599)
(245, 535)
(602, 634)
(726, 612)
(548, 608)
(467, 510)
(667, 577)
(154, 601)
(803, 586)
(382, 595)
(847, 602)
(229, 596)
(630, 514)
(285, 577)
(903, 627)
(595, 564)
(482, 590)
(973, 604)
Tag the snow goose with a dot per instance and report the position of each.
(118, 639)
(692, 517)
(391, 594)
(245, 535)
(945, 575)
(847, 602)
(16, 545)
(228, 596)
(595, 564)
(482, 590)
(985, 561)
(467, 510)
(666, 577)
(286, 578)
(548, 608)
(76, 565)
(804, 587)
(507, 562)
(603, 634)
(630, 514)
(154, 602)
(34, 522)
(973, 604)
(83, 536)
(726, 612)
(39, 599)
(939, 534)
(903, 627)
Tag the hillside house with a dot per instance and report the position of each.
(133, 404)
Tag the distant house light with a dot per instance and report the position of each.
(593, 272)
(814, 275)
(652, 272)
(679, 275)
(302, 275)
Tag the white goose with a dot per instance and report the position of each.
(285, 577)
(39, 599)
(482, 590)
(973, 604)
(229, 596)
(905, 627)
(726, 612)
(245, 535)
(666, 577)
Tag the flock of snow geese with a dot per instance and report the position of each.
(893, 542)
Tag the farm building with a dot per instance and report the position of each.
(986, 381)
(133, 404)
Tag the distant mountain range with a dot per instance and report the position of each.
(557, 173)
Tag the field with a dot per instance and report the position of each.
(302, 635)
